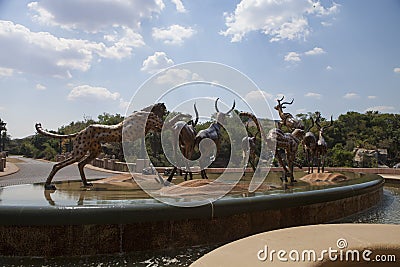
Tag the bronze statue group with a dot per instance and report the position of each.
(284, 140)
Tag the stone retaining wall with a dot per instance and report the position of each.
(394, 171)
(114, 165)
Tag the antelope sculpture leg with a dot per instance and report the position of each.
(249, 150)
(322, 146)
(309, 147)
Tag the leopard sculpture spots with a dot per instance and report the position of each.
(87, 142)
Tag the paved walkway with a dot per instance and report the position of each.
(36, 171)
(10, 169)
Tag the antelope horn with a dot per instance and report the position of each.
(216, 104)
(317, 123)
(233, 107)
(197, 115)
(288, 103)
(318, 116)
(330, 124)
(279, 100)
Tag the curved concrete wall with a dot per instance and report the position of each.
(89, 230)
(346, 243)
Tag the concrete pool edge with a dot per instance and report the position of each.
(62, 231)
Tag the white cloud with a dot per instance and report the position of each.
(123, 104)
(156, 62)
(175, 76)
(173, 35)
(94, 15)
(313, 95)
(296, 57)
(90, 92)
(351, 96)
(329, 68)
(396, 70)
(257, 95)
(6, 72)
(122, 44)
(372, 97)
(47, 54)
(179, 6)
(279, 19)
(123, 18)
(54, 56)
(293, 56)
(322, 11)
(315, 51)
(381, 108)
(326, 24)
(40, 87)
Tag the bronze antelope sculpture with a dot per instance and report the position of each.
(277, 140)
(87, 143)
(185, 132)
(213, 132)
(249, 150)
(309, 147)
(289, 142)
(322, 146)
(287, 119)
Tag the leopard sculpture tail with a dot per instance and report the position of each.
(40, 130)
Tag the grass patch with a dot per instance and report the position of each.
(14, 160)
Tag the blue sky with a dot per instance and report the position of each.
(62, 60)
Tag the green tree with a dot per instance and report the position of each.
(28, 149)
(48, 152)
(108, 119)
(339, 157)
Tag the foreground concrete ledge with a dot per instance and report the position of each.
(391, 179)
(349, 240)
